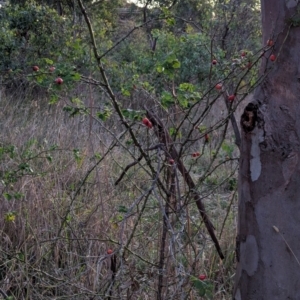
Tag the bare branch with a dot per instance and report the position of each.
(127, 168)
(165, 138)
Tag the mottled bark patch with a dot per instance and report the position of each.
(255, 163)
(291, 3)
(249, 259)
(238, 295)
(289, 166)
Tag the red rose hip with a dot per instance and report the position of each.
(59, 81)
(231, 98)
(202, 277)
(218, 86)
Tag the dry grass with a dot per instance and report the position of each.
(55, 236)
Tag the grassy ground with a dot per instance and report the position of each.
(61, 212)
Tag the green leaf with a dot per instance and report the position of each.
(18, 195)
(176, 64)
(97, 156)
(73, 110)
(186, 87)
(48, 61)
(199, 285)
(68, 218)
(39, 79)
(228, 149)
(7, 196)
(146, 85)
(202, 128)
(171, 58)
(76, 76)
(2, 152)
(25, 167)
(167, 99)
(132, 114)
(77, 101)
(21, 256)
(166, 11)
(171, 21)
(160, 69)
(77, 155)
(174, 131)
(53, 99)
(105, 114)
(125, 92)
(129, 142)
(123, 209)
(31, 143)
(183, 101)
(53, 147)
(232, 184)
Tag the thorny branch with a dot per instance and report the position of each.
(127, 168)
(113, 97)
(165, 138)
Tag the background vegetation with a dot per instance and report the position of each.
(93, 206)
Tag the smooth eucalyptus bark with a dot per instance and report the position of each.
(268, 240)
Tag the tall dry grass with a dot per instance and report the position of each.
(61, 210)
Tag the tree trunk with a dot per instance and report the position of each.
(268, 240)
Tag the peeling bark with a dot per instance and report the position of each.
(269, 179)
